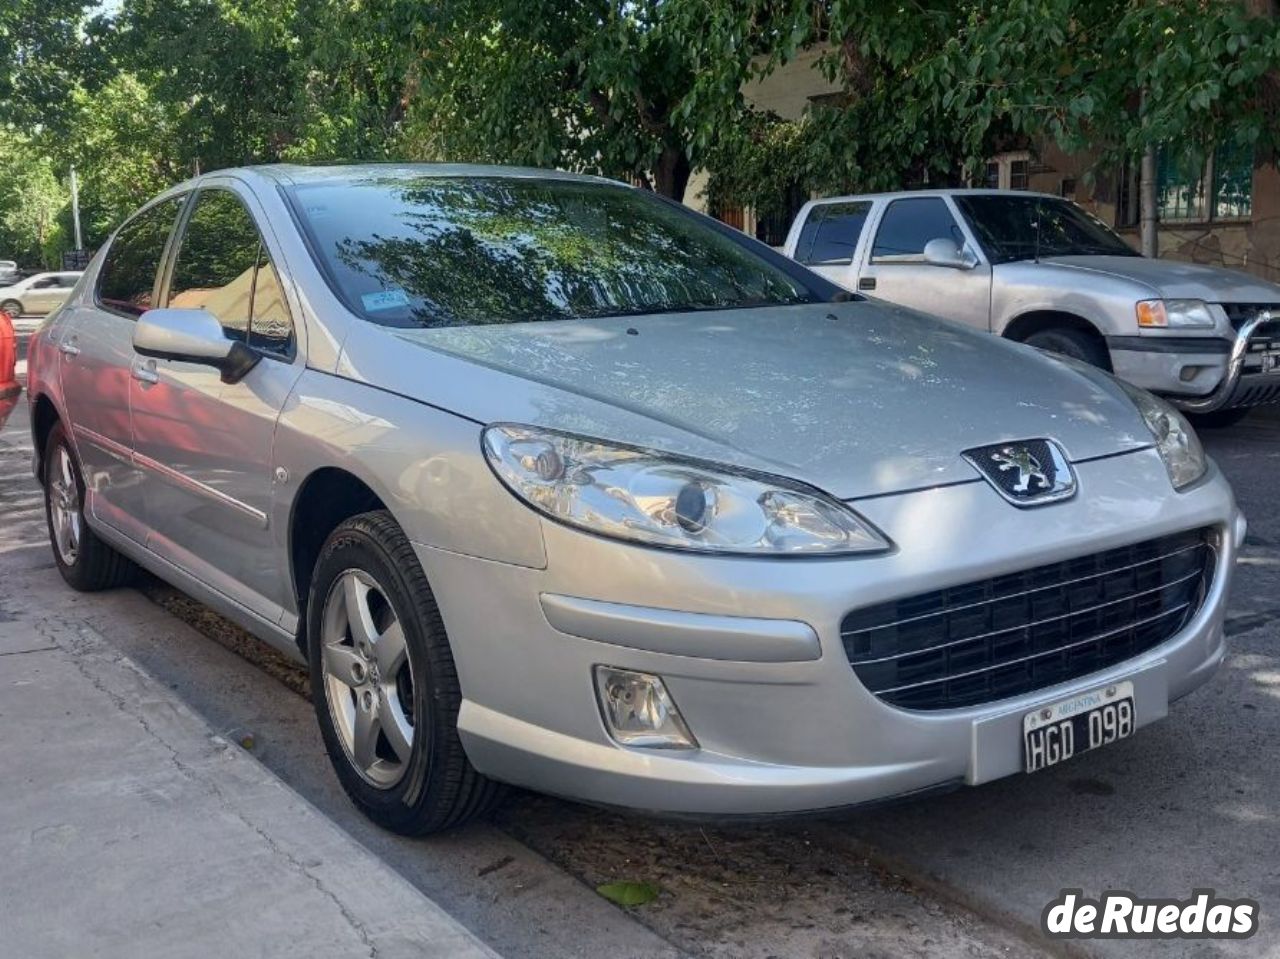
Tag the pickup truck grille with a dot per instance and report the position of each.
(1240, 313)
(1001, 637)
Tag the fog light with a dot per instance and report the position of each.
(638, 711)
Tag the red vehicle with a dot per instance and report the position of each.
(9, 386)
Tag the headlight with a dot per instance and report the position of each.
(1182, 314)
(663, 500)
(1176, 441)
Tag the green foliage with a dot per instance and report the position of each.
(33, 204)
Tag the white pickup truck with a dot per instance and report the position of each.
(1039, 269)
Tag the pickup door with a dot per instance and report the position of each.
(877, 247)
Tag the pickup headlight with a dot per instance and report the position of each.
(1179, 314)
(644, 496)
(1176, 441)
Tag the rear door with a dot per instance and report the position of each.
(96, 344)
(895, 267)
(831, 239)
(205, 447)
(43, 294)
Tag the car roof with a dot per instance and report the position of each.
(297, 174)
(952, 191)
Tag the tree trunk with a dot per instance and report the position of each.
(1147, 224)
(673, 172)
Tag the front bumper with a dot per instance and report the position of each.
(1204, 374)
(750, 650)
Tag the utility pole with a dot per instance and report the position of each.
(75, 209)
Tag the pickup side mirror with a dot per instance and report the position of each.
(193, 336)
(945, 252)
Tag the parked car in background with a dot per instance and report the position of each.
(1041, 270)
(38, 294)
(9, 272)
(554, 482)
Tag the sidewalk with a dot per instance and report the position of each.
(127, 828)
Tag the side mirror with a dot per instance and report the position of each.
(193, 336)
(945, 252)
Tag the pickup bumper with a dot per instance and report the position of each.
(1205, 374)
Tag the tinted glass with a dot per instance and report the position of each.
(271, 330)
(1018, 227)
(434, 251)
(830, 235)
(128, 273)
(908, 225)
(216, 261)
(47, 283)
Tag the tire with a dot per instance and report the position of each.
(12, 307)
(1071, 342)
(85, 561)
(396, 752)
(1219, 419)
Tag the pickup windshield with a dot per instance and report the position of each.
(435, 251)
(1007, 227)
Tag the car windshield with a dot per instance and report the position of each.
(1006, 227)
(432, 251)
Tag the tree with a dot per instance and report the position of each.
(33, 206)
(636, 90)
(930, 91)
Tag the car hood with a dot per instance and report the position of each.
(857, 398)
(1173, 279)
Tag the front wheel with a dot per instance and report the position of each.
(384, 684)
(85, 561)
(12, 307)
(1071, 342)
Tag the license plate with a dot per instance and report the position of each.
(1055, 733)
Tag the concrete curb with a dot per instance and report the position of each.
(129, 828)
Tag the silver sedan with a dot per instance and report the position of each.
(555, 483)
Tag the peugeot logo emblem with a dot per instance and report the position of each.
(1025, 472)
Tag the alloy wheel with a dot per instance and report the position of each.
(368, 678)
(64, 508)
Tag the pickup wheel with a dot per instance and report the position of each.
(1219, 419)
(384, 684)
(1074, 343)
(85, 562)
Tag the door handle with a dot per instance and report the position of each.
(867, 283)
(68, 346)
(145, 372)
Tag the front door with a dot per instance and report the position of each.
(96, 343)
(895, 268)
(204, 446)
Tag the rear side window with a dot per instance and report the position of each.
(128, 274)
(222, 267)
(909, 224)
(830, 236)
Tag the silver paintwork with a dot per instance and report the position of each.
(873, 404)
(191, 333)
(1100, 290)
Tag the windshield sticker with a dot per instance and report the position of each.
(384, 300)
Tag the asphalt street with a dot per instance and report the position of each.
(1189, 803)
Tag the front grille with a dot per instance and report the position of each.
(1001, 637)
(1240, 313)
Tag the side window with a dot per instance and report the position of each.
(216, 262)
(48, 283)
(223, 267)
(830, 236)
(272, 330)
(909, 224)
(128, 274)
